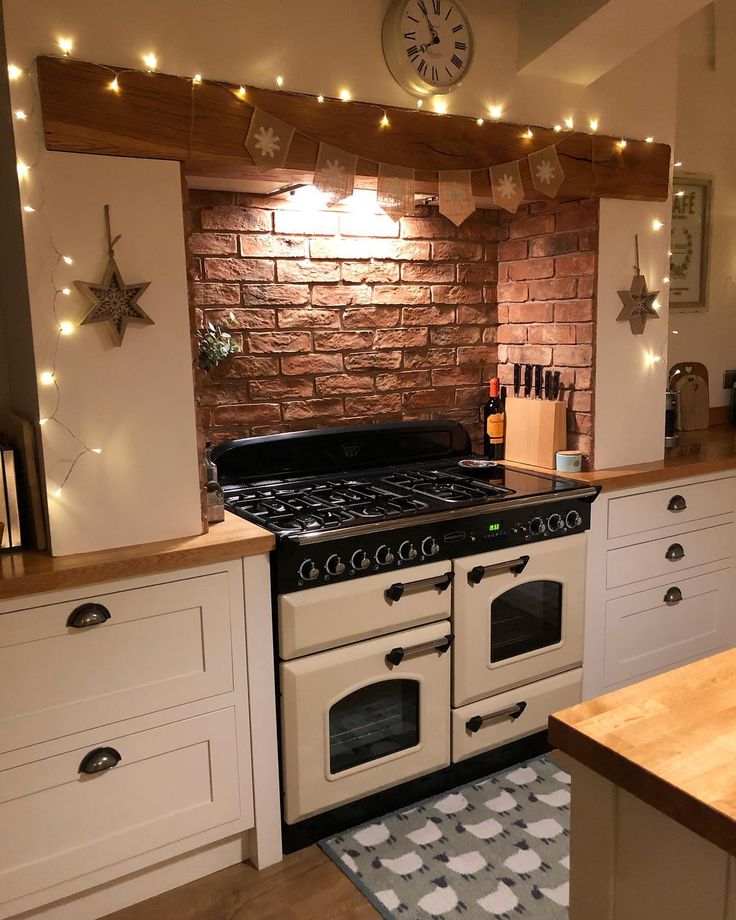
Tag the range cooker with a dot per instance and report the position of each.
(428, 606)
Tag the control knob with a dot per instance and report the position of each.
(384, 555)
(335, 565)
(308, 571)
(536, 526)
(430, 547)
(555, 523)
(359, 560)
(573, 519)
(407, 551)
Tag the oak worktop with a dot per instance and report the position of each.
(670, 741)
(32, 572)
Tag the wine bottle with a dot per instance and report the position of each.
(494, 423)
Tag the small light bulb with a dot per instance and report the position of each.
(479, 122)
(65, 327)
(649, 140)
(20, 115)
(569, 122)
(66, 291)
(66, 45)
(678, 164)
(593, 124)
(14, 72)
(657, 224)
(151, 61)
(47, 378)
(384, 121)
(420, 103)
(67, 260)
(29, 209)
(320, 98)
(621, 144)
(666, 279)
(96, 450)
(42, 421)
(114, 85)
(57, 492)
(557, 128)
(22, 169)
(197, 78)
(669, 252)
(345, 95)
(279, 81)
(675, 332)
(529, 133)
(439, 104)
(496, 112)
(680, 194)
(241, 92)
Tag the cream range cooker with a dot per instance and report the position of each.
(429, 609)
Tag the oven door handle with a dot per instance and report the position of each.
(479, 572)
(510, 712)
(397, 590)
(398, 654)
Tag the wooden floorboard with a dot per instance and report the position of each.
(305, 886)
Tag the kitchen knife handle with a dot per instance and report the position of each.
(517, 379)
(538, 381)
(555, 385)
(548, 384)
(528, 380)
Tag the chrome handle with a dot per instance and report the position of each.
(510, 712)
(99, 760)
(397, 655)
(479, 572)
(675, 552)
(673, 597)
(677, 503)
(397, 590)
(88, 615)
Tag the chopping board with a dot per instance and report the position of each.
(690, 381)
(19, 434)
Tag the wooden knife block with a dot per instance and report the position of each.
(535, 430)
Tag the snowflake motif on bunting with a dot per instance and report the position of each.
(334, 173)
(506, 186)
(545, 171)
(267, 142)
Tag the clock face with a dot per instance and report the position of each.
(428, 44)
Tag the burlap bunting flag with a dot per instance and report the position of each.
(546, 170)
(395, 190)
(508, 191)
(456, 195)
(268, 140)
(334, 174)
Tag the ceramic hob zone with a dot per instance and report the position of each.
(352, 501)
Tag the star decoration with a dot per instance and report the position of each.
(114, 302)
(507, 186)
(545, 171)
(267, 142)
(638, 304)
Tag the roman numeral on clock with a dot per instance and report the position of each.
(412, 36)
(461, 46)
(422, 7)
(456, 61)
(413, 52)
(435, 75)
(436, 7)
(422, 67)
(458, 28)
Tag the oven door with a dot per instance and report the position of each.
(359, 719)
(518, 616)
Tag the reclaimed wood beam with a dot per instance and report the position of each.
(204, 126)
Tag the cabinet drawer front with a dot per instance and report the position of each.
(541, 699)
(172, 782)
(162, 646)
(671, 555)
(332, 615)
(645, 634)
(669, 507)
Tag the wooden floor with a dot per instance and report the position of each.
(305, 886)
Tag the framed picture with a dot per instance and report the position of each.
(690, 246)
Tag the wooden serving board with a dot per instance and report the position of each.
(689, 380)
(19, 434)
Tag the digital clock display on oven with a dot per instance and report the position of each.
(494, 528)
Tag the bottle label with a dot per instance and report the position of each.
(495, 425)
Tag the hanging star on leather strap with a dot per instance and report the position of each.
(638, 301)
(113, 301)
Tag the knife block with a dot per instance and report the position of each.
(535, 430)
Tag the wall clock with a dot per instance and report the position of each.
(428, 44)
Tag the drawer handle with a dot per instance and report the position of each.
(396, 591)
(479, 572)
(88, 615)
(677, 503)
(397, 655)
(675, 552)
(99, 760)
(673, 597)
(510, 712)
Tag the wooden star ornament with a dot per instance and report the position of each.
(112, 300)
(638, 301)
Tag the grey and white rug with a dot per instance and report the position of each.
(496, 848)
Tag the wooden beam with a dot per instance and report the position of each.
(204, 127)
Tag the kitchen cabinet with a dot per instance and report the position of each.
(661, 579)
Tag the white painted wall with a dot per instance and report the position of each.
(319, 47)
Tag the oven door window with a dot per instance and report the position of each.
(526, 618)
(373, 722)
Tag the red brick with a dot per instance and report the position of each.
(553, 289)
(553, 245)
(311, 364)
(338, 384)
(574, 311)
(584, 333)
(477, 354)
(368, 225)
(246, 413)
(215, 294)
(584, 378)
(427, 316)
(457, 293)
(475, 230)
(455, 376)
(429, 357)
(269, 342)
(490, 293)
(228, 393)
(198, 198)
(581, 263)
(371, 317)
(531, 312)
(424, 399)
(428, 272)
(456, 252)
(503, 313)
(400, 294)
(524, 227)
(228, 217)
(296, 294)
(526, 354)
(220, 244)
(279, 387)
(338, 248)
(273, 247)
(373, 360)
(586, 286)
(588, 239)
(238, 269)
(403, 380)
(339, 341)
(476, 314)
(582, 422)
(362, 272)
(242, 366)
(239, 318)
(583, 443)
(455, 335)
(512, 250)
(307, 271)
(340, 295)
(318, 223)
(515, 291)
(511, 335)
(552, 334)
(471, 396)
(531, 268)
(426, 228)
(582, 401)
(312, 408)
(373, 405)
(490, 335)
(578, 217)
(307, 317)
(574, 355)
(401, 338)
(477, 272)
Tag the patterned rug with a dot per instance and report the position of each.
(496, 848)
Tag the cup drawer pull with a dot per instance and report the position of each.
(398, 654)
(99, 760)
(515, 567)
(677, 503)
(440, 582)
(673, 597)
(510, 712)
(88, 615)
(675, 552)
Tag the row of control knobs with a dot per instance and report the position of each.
(360, 560)
(553, 524)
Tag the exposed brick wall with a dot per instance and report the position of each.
(344, 318)
(547, 264)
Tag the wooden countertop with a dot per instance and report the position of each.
(33, 572)
(670, 741)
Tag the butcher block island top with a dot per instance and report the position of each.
(26, 573)
(670, 741)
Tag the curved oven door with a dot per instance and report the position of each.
(359, 719)
(518, 616)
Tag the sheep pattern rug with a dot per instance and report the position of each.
(496, 848)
